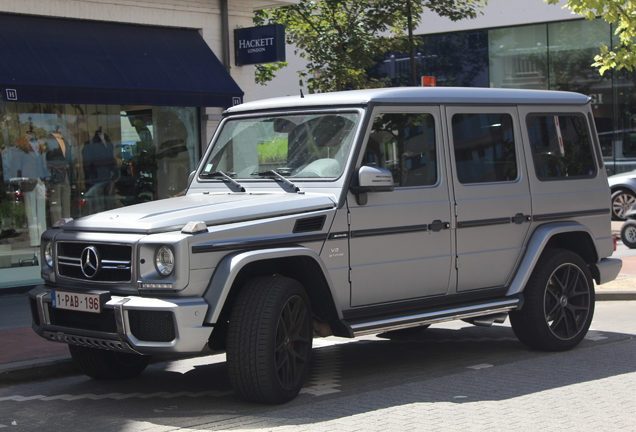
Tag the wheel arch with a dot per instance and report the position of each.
(561, 235)
(299, 263)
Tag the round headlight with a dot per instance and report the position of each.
(164, 260)
(48, 254)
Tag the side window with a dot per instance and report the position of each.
(484, 148)
(405, 145)
(561, 146)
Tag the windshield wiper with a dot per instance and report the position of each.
(226, 178)
(278, 177)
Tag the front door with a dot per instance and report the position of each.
(400, 241)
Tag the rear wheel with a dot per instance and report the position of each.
(108, 365)
(628, 234)
(269, 340)
(558, 303)
(622, 202)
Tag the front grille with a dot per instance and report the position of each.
(102, 322)
(114, 262)
(152, 326)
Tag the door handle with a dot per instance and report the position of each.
(520, 218)
(438, 225)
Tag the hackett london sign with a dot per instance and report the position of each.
(255, 45)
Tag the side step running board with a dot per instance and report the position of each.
(434, 317)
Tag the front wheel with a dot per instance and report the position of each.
(558, 303)
(628, 234)
(108, 365)
(269, 340)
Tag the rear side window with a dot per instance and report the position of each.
(561, 146)
(484, 148)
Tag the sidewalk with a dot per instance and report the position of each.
(25, 356)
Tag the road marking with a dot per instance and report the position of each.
(480, 366)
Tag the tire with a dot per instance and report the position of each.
(622, 202)
(558, 303)
(108, 365)
(628, 234)
(269, 340)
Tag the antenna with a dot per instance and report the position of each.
(302, 96)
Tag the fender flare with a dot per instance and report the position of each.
(540, 238)
(231, 265)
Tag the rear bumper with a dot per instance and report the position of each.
(606, 270)
(130, 324)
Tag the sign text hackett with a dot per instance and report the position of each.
(255, 45)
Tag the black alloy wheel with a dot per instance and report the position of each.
(559, 303)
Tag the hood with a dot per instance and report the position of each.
(214, 209)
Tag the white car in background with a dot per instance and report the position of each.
(623, 190)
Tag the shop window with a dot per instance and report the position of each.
(484, 148)
(561, 146)
(405, 145)
(73, 160)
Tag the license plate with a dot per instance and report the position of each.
(77, 301)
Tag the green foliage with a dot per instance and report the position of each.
(621, 13)
(341, 40)
(273, 151)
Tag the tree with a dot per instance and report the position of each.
(622, 13)
(342, 39)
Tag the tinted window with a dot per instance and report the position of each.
(561, 146)
(405, 145)
(484, 148)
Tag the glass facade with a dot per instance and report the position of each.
(72, 160)
(548, 56)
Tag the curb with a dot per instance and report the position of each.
(40, 369)
(615, 295)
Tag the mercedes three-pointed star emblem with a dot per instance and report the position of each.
(90, 262)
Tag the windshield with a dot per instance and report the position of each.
(301, 146)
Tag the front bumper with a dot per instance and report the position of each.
(130, 324)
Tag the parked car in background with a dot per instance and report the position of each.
(623, 190)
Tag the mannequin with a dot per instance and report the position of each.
(28, 163)
(60, 162)
(100, 172)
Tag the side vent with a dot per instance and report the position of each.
(309, 224)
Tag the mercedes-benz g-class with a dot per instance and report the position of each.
(348, 214)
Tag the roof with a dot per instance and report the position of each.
(418, 95)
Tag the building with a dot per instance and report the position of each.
(105, 104)
(530, 44)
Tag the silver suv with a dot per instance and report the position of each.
(347, 214)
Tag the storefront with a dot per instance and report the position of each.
(95, 116)
(549, 56)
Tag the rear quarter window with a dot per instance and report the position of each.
(561, 146)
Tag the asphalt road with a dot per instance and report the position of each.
(450, 377)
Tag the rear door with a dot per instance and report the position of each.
(492, 199)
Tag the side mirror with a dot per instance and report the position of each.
(372, 179)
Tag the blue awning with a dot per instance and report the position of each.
(51, 60)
